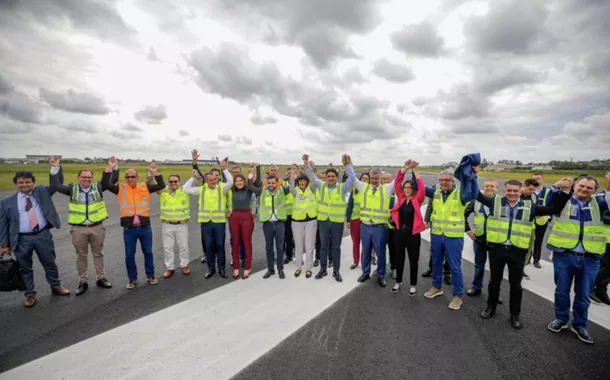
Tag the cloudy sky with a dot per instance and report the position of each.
(268, 80)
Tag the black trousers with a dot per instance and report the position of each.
(539, 231)
(319, 245)
(404, 240)
(392, 249)
(499, 257)
(288, 239)
(603, 276)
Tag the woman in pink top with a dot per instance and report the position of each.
(409, 223)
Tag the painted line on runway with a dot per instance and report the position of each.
(212, 336)
(541, 281)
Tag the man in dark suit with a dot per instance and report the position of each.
(25, 220)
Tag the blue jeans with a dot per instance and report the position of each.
(480, 258)
(373, 236)
(274, 231)
(453, 249)
(130, 238)
(581, 270)
(43, 244)
(330, 235)
(214, 238)
(242, 247)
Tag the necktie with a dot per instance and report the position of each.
(32, 214)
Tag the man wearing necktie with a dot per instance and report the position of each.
(25, 220)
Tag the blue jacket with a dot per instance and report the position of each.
(468, 180)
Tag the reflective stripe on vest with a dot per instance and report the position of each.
(305, 204)
(77, 210)
(542, 220)
(499, 225)
(134, 200)
(447, 217)
(268, 203)
(212, 204)
(479, 219)
(374, 208)
(290, 201)
(177, 207)
(331, 206)
(607, 232)
(566, 231)
(357, 195)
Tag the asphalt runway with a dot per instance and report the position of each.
(370, 333)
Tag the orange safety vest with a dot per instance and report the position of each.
(134, 201)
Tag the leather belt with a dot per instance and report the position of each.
(173, 221)
(87, 225)
(581, 254)
(33, 233)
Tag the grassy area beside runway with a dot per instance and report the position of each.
(550, 176)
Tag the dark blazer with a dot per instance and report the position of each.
(9, 215)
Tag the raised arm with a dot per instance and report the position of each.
(195, 157)
(252, 187)
(348, 184)
(228, 180)
(349, 168)
(56, 178)
(107, 175)
(398, 182)
(350, 208)
(428, 212)
(469, 210)
(189, 186)
(559, 199)
(159, 183)
(316, 182)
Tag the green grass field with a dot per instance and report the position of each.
(41, 171)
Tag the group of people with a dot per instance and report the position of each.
(306, 210)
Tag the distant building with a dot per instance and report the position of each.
(542, 168)
(499, 167)
(39, 157)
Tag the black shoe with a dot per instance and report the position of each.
(473, 292)
(210, 274)
(364, 277)
(353, 266)
(204, 260)
(103, 283)
(82, 287)
(595, 298)
(557, 326)
(537, 264)
(280, 272)
(582, 334)
(222, 273)
(427, 273)
(500, 301)
(515, 322)
(268, 274)
(447, 278)
(321, 274)
(337, 277)
(287, 260)
(488, 313)
(316, 263)
(602, 294)
(382, 282)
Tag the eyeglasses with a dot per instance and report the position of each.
(131, 176)
(86, 177)
(173, 181)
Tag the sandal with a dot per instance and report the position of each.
(396, 288)
(235, 274)
(412, 291)
(297, 273)
(245, 275)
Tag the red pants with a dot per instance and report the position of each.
(241, 224)
(354, 231)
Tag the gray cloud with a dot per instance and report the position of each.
(392, 72)
(152, 114)
(461, 102)
(125, 136)
(72, 101)
(10, 127)
(183, 133)
(5, 86)
(20, 107)
(324, 44)
(79, 127)
(418, 40)
(260, 120)
(497, 77)
(243, 140)
(130, 127)
(226, 138)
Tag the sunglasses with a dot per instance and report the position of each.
(173, 181)
(131, 176)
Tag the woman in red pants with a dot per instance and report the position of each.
(241, 223)
(353, 220)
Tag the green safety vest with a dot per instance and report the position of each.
(499, 225)
(607, 232)
(374, 208)
(331, 205)
(566, 232)
(268, 203)
(212, 204)
(78, 212)
(541, 221)
(479, 219)
(290, 200)
(448, 217)
(357, 195)
(305, 205)
(177, 207)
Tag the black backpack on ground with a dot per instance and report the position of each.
(10, 278)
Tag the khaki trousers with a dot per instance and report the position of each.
(82, 238)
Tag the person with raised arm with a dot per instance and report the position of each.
(212, 215)
(408, 223)
(134, 205)
(353, 220)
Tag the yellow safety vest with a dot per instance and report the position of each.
(177, 207)
(479, 219)
(447, 217)
(518, 231)
(607, 232)
(374, 208)
(566, 231)
(212, 204)
(78, 212)
(356, 209)
(305, 204)
(331, 205)
(269, 203)
(289, 201)
(542, 220)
